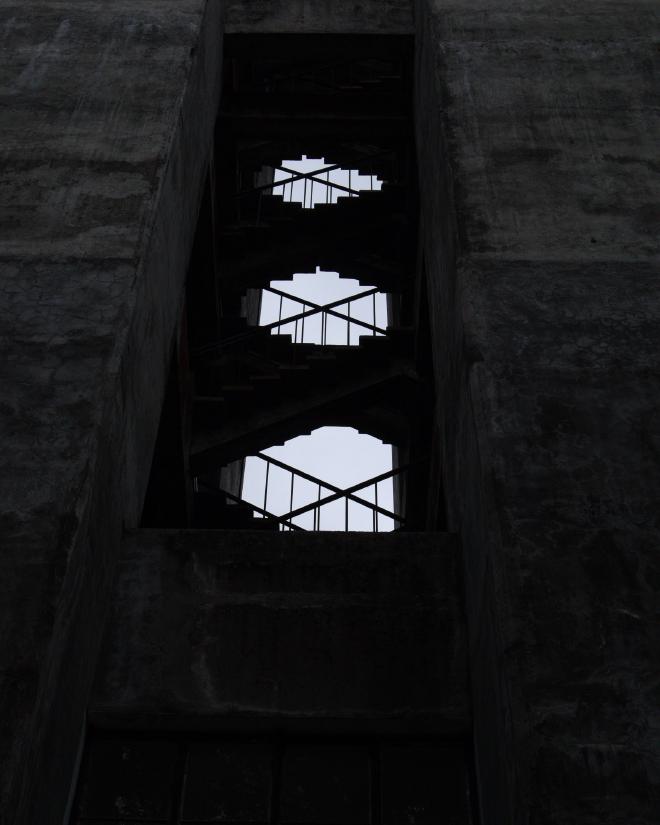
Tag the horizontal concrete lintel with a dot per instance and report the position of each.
(217, 624)
(263, 722)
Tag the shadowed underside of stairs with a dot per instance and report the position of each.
(252, 389)
(367, 238)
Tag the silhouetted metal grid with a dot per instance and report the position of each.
(336, 494)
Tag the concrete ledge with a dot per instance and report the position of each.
(320, 626)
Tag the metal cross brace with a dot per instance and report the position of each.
(338, 493)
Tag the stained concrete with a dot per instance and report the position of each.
(222, 626)
(538, 132)
(108, 118)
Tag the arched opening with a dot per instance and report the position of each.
(336, 478)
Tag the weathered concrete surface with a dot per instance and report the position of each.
(216, 624)
(322, 16)
(108, 115)
(546, 300)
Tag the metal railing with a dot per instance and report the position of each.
(333, 189)
(324, 310)
(320, 177)
(348, 495)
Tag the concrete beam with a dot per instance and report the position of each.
(214, 626)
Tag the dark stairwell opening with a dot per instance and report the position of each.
(244, 379)
(303, 304)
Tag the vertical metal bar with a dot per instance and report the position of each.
(374, 312)
(266, 485)
(304, 193)
(315, 511)
(318, 511)
(279, 328)
(295, 334)
(311, 194)
(348, 325)
(302, 331)
(376, 503)
(180, 779)
(350, 194)
(293, 478)
(328, 193)
(346, 516)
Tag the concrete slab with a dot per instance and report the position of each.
(224, 625)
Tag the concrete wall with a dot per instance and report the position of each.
(215, 627)
(107, 122)
(538, 124)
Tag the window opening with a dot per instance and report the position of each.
(334, 479)
(315, 181)
(275, 354)
(325, 309)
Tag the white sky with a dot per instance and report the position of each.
(339, 455)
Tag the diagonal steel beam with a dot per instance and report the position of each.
(319, 308)
(329, 486)
(344, 494)
(300, 175)
(295, 176)
(236, 339)
(312, 176)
